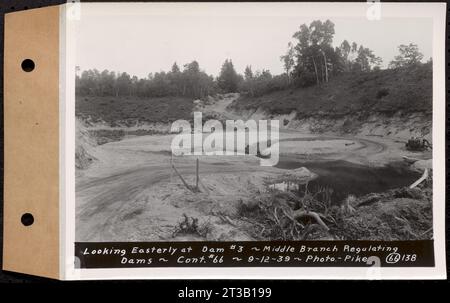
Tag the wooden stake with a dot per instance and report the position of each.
(197, 177)
(182, 180)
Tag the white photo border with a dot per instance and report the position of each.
(69, 16)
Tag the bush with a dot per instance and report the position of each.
(305, 80)
(382, 93)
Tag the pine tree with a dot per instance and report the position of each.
(228, 79)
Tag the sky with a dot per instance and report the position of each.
(139, 42)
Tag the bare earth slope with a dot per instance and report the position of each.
(394, 103)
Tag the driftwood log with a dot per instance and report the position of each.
(302, 213)
(421, 179)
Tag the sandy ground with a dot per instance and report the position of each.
(131, 193)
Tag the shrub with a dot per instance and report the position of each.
(382, 93)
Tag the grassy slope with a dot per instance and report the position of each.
(384, 91)
(132, 109)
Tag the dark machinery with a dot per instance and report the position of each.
(418, 144)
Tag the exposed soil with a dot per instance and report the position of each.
(129, 191)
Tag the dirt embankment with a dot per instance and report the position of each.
(396, 103)
(398, 214)
(399, 126)
(84, 146)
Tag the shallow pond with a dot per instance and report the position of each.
(346, 178)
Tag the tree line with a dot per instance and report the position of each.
(190, 82)
(310, 60)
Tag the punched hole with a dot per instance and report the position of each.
(27, 219)
(28, 65)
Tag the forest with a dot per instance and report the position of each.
(308, 61)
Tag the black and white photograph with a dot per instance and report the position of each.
(274, 126)
(352, 99)
(224, 141)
